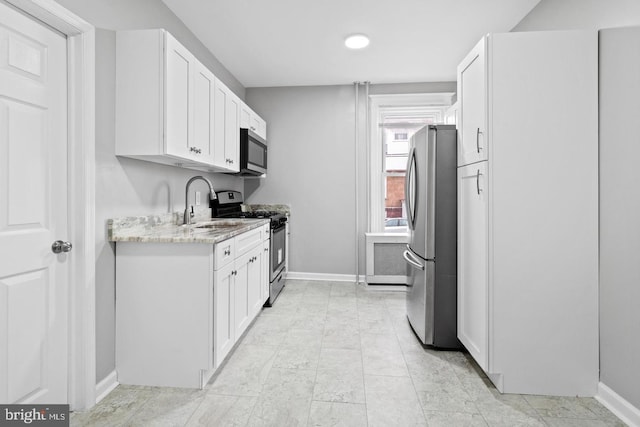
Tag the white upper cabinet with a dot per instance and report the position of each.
(226, 153)
(472, 135)
(252, 121)
(159, 87)
(171, 109)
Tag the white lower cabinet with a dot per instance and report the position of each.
(223, 320)
(181, 307)
(237, 290)
(473, 261)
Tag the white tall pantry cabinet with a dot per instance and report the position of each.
(528, 211)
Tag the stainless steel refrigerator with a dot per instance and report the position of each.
(430, 197)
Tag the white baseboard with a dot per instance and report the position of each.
(106, 386)
(326, 277)
(624, 410)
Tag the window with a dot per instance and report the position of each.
(395, 118)
(396, 153)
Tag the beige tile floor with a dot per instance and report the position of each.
(337, 354)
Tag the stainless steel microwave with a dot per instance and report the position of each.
(253, 153)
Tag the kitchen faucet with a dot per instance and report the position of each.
(189, 213)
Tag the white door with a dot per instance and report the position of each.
(220, 157)
(223, 320)
(473, 261)
(179, 77)
(472, 136)
(241, 308)
(264, 280)
(245, 116)
(203, 116)
(33, 211)
(255, 281)
(232, 132)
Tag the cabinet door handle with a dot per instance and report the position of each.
(478, 189)
(478, 133)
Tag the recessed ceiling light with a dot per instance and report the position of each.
(356, 41)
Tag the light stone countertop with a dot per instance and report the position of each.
(163, 229)
(283, 209)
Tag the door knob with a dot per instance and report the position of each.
(61, 246)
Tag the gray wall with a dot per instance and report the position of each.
(312, 168)
(619, 208)
(144, 14)
(124, 186)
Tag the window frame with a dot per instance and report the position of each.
(380, 108)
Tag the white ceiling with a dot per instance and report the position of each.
(301, 42)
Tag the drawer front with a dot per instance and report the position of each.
(247, 241)
(224, 253)
(265, 232)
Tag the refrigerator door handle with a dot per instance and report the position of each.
(408, 256)
(410, 187)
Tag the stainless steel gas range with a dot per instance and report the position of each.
(229, 205)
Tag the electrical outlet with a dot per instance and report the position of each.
(197, 198)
